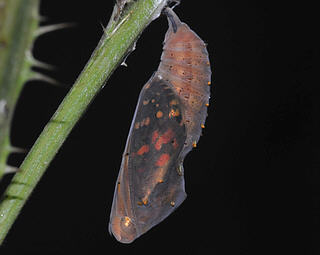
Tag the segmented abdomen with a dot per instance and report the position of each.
(185, 65)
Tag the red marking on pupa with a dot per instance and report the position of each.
(155, 136)
(163, 159)
(164, 139)
(143, 149)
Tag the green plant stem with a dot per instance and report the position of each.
(18, 22)
(111, 50)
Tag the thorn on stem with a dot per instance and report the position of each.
(45, 78)
(11, 169)
(49, 28)
(14, 149)
(37, 63)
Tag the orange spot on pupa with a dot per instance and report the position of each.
(173, 102)
(163, 159)
(209, 83)
(159, 114)
(145, 201)
(174, 113)
(145, 122)
(207, 104)
(137, 125)
(172, 203)
(144, 149)
(145, 102)
(153, 100)
(147, 86)
(157, 105)
(164, 139)
(194, 144)
(202, 125)
(161, 181)
(127, 221)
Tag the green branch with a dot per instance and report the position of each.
(116, 43)
(18, 25)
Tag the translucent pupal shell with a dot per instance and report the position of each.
(167, 124)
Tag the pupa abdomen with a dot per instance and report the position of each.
(167, 123)
(185, 65)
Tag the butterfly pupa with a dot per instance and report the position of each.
(167, 124)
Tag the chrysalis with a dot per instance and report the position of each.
(167, 123)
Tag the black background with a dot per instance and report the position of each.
(252, 182)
